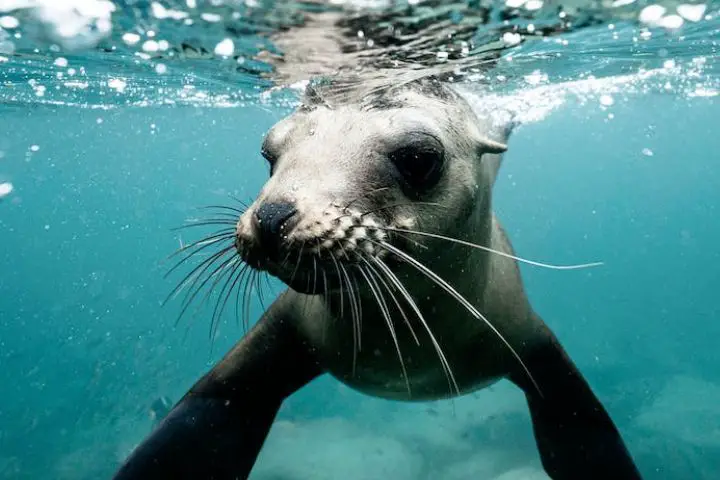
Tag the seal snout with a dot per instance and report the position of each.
(272, 222)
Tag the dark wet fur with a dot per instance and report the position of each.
(383, 97)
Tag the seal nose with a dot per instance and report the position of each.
(271, 221)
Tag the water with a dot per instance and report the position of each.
(102, 153)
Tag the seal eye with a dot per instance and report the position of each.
(420, 161)
(269, 156)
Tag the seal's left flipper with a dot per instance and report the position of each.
(576, 437)
(218, 428)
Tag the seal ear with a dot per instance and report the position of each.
(494, 131)
(491, 146)
(489, 155)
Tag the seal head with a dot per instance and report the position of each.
(342, 175)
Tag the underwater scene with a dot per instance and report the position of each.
(121, 121)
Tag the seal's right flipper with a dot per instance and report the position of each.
(576, 437)
(217, 429)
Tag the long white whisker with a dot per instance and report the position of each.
(468, 306)
(340, 281)
(359, 308)
(443, 360)
(354, 302)
(353, 315)
(342, 314)
(374, 288)
(496, 252)
(392, 295)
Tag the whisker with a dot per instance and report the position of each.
(332, 256)
(224, 207)
(497, 252)
(342, 315)
(351, 293)
(359, 308)
(364, 195)
(244, 204)
(353, 318)
(232, 280)
(374, 288)
(244, 275)
(354, 300)
(207, 223)
(325, 281)
(195, 289)
(392, 295)
(314, 275)
(267, 282)
(247, 293)
(204, 265)
(399, 204)
(452, 383)
(297, 264)
(384, 207)
(468, 306)
(411, 240)
(259, 291)
(229, 272)
(192, 254)
(226, 216)
(287, 257)
(218, 273)
(205, 240)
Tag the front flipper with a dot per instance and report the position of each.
(217, 429)
(576, 437)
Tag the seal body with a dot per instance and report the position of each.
(368, 216)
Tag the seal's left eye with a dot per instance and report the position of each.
(267, 154)
(420, 161)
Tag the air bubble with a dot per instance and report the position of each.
(606, 100)
(9, 21)
(6, 189)
(225, 48)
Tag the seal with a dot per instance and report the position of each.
(402, 284)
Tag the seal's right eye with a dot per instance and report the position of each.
(420, 161)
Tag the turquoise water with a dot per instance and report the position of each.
(620, 168)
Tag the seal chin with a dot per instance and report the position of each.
(305, 285)
(299, 279)
(301, 282)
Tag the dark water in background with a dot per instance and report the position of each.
(85, 347)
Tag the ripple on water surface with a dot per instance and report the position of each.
(103, 54)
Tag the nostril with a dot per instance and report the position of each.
(270, 219)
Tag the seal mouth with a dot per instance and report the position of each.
(311, 272)
(332, 251)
